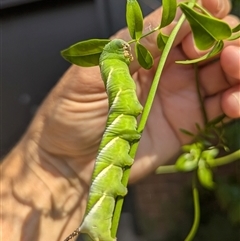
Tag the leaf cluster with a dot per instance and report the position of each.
(209, 34)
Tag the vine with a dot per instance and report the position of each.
(209, 33)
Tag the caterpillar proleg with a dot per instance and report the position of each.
(113, 154)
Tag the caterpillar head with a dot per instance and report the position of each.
(117, 49)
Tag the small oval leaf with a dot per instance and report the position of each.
(215, 51)
(161, 41)
(236, 29)
(134, 19)
(186, 132)
(195, 148)
(234, 37)
(144, 57)
(210, 154)
(198, 127)
(205, 175)
(186, 162)
(206, 30)
(169, 12)
(189, 160)
(216, 120)
(85, 53)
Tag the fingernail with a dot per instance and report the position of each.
(237, 98)
(235, 103)
(220, 5)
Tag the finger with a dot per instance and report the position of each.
(230, 59)
(227, 102)
(192, 52)
(230, 102)
(212, 79)
(213, 106)
(216, 77)
(218, 8)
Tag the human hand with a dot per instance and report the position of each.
(75, 119)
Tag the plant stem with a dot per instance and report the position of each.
(225, 159)
(212, 163)
(143, 121)
(158, 74)
(145, 35)
(204, 113)
(195, 225)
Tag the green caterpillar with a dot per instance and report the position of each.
(120, 133)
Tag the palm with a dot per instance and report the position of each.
(76, 119)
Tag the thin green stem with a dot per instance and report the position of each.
(195, 225)
(234, 156)
(166, 169)
(144, 117)
(158, 74)
(204, 113)
(145, 35)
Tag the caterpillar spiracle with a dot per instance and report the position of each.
(113, 154)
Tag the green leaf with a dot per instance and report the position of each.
(161, 41)
(198, 127)
(216, 120)
(144, 57)
(205, 175)
(234, 36)
(169, 12)
(209, 154)
(236, 29)
(206, 30)
(85, 53)
(195, 148)
(186, 162)
(189, 160)
(215, 50)
(134, 19)
(186, 132)
(206, 142)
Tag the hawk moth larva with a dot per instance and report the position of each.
(120, 133)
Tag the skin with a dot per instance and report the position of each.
(45, 179)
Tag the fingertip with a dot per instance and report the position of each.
(231, 102)
(230, 59)
(219, 8)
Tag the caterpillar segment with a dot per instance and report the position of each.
(113, 155)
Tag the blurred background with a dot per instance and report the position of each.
(159, 208)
